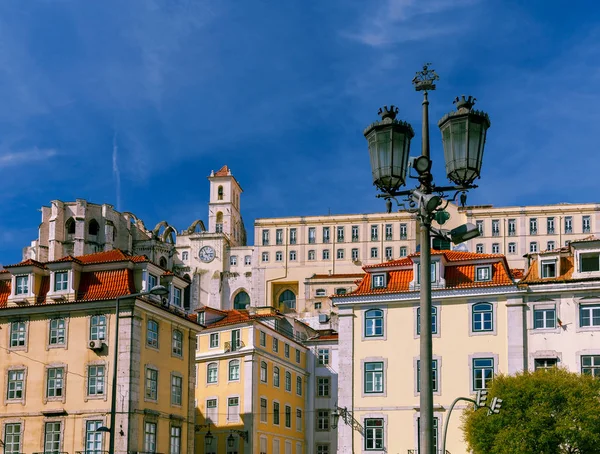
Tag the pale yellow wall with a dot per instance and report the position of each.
(250, 387)
(167, 363)
(400, 348)
(75, 357)
(35, 358)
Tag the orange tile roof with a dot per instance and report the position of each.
(99, 285)
(460, 275)
(28, 262)
(115, 255)
(517, 273)
(240, 316)
(405, 261)
(4, 292)
(223, 171)
(565, 272)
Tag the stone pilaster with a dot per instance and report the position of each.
(345, 377)
(517, 334)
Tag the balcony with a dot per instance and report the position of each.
(374, 237)
(437, 451)
(91, 451)
(512, 232)
(355, 238)
(51, 452)
(495, 232)
(533, 231)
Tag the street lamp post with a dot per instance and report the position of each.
(157, 290)
(463, 137)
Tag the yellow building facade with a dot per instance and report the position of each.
(252, 383)
(57, 339)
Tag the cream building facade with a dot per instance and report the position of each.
(379, 347)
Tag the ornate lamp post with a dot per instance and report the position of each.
(463, 137)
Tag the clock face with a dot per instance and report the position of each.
(207, 254)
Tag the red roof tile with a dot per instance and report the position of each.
(115, 255)
(405, 261)
(223, 171)
(98, 285)
(564, 273)
(4, 292)
(456, 275)
(28, 262)
(239, 316)
(517, 273)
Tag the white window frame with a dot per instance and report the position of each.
(483, 273)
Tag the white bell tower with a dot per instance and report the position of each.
(224, 214)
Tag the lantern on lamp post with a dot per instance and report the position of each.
(463, 137)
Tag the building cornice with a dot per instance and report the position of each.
(438, 294)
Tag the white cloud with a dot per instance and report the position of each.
(12, 158)
(398, 21)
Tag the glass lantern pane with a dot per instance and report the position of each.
(474, 156)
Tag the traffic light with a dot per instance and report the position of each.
(495, 407)
(480, 398)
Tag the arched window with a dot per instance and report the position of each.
(374, 323)
(276, 376)
(234, 369)
(162, 262)
(70, 226)
(288, 298)
(483, 317)
(434, 324)
(288, 381)
(263, 371)
(152, 334)
(219, 224)
(93, 227)
(177, 343)
(241, 300)
(212, 373)
(220, 193)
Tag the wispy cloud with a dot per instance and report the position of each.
(398, 21)
(13, 158)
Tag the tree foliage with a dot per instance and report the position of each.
(543, 412)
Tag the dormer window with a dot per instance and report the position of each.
(483, 273)
(433, 272)
(320, 292)
(152, 281)
(589, 262)
(201, 318)
(379, 280)
(22, 285)
(61, 281)
(548, 268)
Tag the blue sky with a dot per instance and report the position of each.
(134, 103)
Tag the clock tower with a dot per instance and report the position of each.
(224, 214)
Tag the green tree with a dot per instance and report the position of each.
(543, 412)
